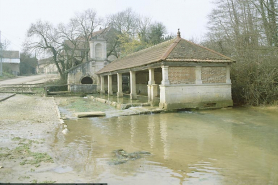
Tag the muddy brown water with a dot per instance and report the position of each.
(227, 146)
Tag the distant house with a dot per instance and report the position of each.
(11, 61)
(46, 66)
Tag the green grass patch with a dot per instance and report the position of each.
(80, 104)
(6, 75)
(23, 151)
(16, 139)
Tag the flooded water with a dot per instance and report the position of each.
(227, 146)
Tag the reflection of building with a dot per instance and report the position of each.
(10, 61)
(47, 66)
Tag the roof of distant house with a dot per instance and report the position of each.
(10, 54)
(175, 50)
(100, 32)
(48, 60)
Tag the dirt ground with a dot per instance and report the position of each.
(28, 124)
(41, 78)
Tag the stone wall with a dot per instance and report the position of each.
(195, 96)
(158, 77)
(214, 75)
(83, 88)
(76, 74)
(181, 75)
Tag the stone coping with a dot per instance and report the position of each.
(4, 96)
(120, 105)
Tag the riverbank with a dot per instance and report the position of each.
(29, 125)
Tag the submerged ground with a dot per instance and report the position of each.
(225, 146)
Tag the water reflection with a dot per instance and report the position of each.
(236, 146)
(163, 133)
(151, 130)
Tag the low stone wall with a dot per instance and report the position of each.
(195, 96)
(83, 88)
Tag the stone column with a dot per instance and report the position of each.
(98, 83)
(102, 84)
(152, 88)
(120, 85)
(228, 78)
(110, 91)
(133, 94)
(165, 80)
(198, 73)
(150, 83)
(151, 77)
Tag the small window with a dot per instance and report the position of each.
(87, 80)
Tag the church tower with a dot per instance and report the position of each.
(98, 52)
(98, 49)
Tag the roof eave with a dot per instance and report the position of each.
(200, 60)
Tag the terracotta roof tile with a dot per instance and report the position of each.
(173, 50)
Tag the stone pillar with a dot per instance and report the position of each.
(198, 73)
(120, 85)
(165, 80)
(151, 77)
(102, 84)
(98, 83)
(228, 78)
(133, 94)
(150, 83)
(110, 91)
(152, 88)
(154, 93)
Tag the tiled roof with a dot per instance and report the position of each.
(10, 54)
(48, 60)
(101, 32)
(175, 50)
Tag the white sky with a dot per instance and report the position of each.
(16, 16)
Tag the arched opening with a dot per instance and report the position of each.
(87, 80)
(98, 51)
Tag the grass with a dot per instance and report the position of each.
(80, 104)
(23, 151)
(6, 75)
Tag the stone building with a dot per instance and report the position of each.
(47, 66)
(83, 78)
(175, 74)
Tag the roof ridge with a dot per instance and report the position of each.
(148, 48)
(209, 50)
(173, 45)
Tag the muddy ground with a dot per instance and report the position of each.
(29, 124)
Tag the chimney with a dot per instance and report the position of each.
(179, 34)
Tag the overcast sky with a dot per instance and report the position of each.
(16, 16)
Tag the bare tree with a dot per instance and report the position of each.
(247, 31)
(60, 43)
(86, 22)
